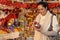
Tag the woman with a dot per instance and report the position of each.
(43, 20)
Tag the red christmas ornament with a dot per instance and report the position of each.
(59, 4)
(12, 15)
(24, 6)
(34, 6)
(17, 4)
(29, 5)
(0, 1)
(52, 5)
(2, 21)
(56, 4)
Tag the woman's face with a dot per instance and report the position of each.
(42, 10)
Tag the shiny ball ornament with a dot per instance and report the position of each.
(9, 23)
(0, 23)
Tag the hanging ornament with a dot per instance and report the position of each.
(34, 5)
(0, 23)
(11, 29)
(24, 5)
(16, 23)
(9, 24)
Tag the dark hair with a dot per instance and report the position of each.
(44, 4)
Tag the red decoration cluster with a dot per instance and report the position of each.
(53, 5)
(17, 4)
(28, 5)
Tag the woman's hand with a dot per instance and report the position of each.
(37, 29)
(37, 26)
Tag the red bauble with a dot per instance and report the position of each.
(17, 4)
(2, 21)
(24, 6)
(34, 6)
(56, 4)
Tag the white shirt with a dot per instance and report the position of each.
(45, 22)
